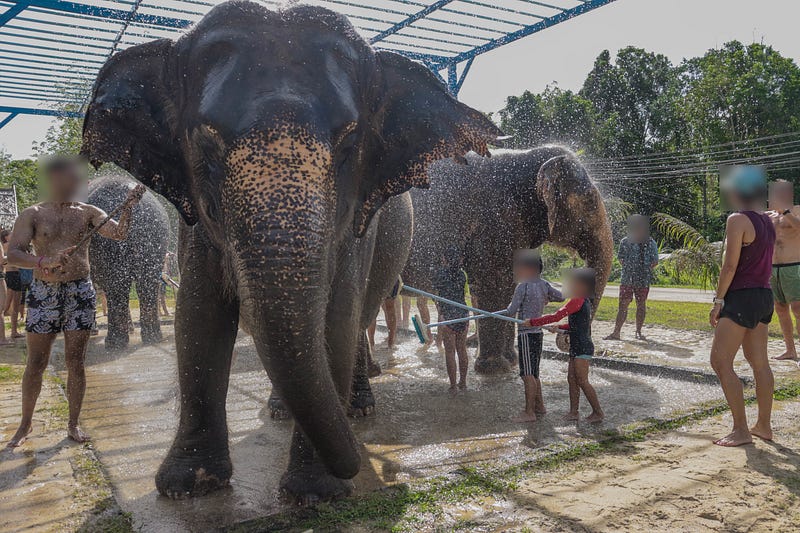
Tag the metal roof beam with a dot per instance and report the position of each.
(8, 119)
(410, 20)
(39, 112)
(12, 12)
(76, 8)
(586, 6)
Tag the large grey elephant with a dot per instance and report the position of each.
(491, 207)
(117, 265)
(278, 135)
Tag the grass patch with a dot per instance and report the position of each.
(675, 315)
(399, 508)
(10, 373)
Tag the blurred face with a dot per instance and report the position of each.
(66, 184)
(781, 196)
(638, 230)
(523, 271)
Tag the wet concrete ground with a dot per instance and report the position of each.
(419, 428)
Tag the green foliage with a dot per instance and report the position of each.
(22, 173)
(696, 257)
(639, 115)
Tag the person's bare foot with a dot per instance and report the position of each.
(453, 390)
(541, 411)
(595, 418)
(762, 433)
(570, 417)
(524, 416)
(462, 385)
(786, 356)
(612, 337)
(640, 336)
(735, 438)
(77, 434)
(17, 336)
(20, 437)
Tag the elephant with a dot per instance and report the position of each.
(116, 265)
(278, 136)
(489, 208)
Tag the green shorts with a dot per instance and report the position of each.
(785, 282)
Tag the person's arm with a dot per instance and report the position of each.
(734, 237)
(621, 252)
(553, 294)
(113, 229)
(571, 307)
(653, 254)
(790, 216)
(516, 301)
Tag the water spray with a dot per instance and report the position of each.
(423, 330)
(93, 231)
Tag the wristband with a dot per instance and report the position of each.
(720, 301)
(39, 262)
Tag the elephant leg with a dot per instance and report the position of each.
(496, 353)
(148, 308)
(118, 298)
(362, 402)
(277, 409)
(205, 331)
(306, 480)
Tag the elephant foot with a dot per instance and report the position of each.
(185, 477)
(313, 484)
(151, 338)
(374, 369)
(492, 365)
(115, 343)
(277, 409)
(362, 403)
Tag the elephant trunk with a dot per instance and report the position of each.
(278, 203)
(577, 215)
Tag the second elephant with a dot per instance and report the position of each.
(117, 265)
(491, 207)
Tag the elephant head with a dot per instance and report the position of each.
(281, 133)
(576, 214)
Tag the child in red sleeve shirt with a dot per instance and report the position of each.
(578, 311)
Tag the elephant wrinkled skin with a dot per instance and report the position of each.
(491, 207)
(278, 135)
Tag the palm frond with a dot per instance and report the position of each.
(696, 257)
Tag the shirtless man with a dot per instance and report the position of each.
(62, 297)
(786, 261)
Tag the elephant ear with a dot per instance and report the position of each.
(416, 122)
(128, 122)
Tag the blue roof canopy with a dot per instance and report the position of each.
(51, 50)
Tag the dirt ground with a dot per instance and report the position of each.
(676, 481)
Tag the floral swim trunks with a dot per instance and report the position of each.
(60, 306)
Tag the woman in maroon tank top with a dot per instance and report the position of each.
(743, 308)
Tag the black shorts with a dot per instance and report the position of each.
(529, 346)
(748, 307)
(13, 281)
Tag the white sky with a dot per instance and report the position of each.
(565, 53)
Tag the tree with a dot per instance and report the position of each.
(740, 92)
(22, 173)
(554, 116)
